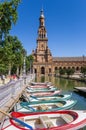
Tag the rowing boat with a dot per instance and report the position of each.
(59, 97)
(45, 106)
(35, 90)
(39, 94)
(58, 120)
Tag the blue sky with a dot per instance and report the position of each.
(65, 22)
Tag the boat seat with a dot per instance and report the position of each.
(46, 121)
(59, 104)
(42, 107)
(68, 118)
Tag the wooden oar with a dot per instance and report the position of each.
(17, 120)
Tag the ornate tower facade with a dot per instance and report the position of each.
(42, 54)
(44, 63)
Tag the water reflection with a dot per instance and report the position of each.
(61, 83)
(67, 86)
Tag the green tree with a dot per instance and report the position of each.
(62, 71)
(3, 69)
(9, 56)
(18, 51)
(29, 63)
(8, 16)
(70, 71)
(83, 71)
(12, 53)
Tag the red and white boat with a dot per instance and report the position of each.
(38, 94)
(39, 83)
(38, 86)
(61, 120)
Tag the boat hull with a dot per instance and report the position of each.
(51, 98)
(48, 106)
(61, 120)
(35, 90)
(39, 94)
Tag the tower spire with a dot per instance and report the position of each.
(42, 18)
(42, 30)
(42, 13)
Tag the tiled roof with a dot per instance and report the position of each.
(83, 58)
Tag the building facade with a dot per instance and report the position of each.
(44, 63)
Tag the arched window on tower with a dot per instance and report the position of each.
(39, 35)
(42, 46)
(42, 23)
(42, 59)
(42, 70)
(42, 35)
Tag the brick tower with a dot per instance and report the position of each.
(42, 55)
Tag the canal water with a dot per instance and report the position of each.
(67, 86)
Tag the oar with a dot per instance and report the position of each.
(34, 97)
(17, 120)
(25, 105)
(29, 107)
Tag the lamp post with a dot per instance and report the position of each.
(24, 62)
(30, 66)
(30, 58)
(24, 67)
(24, 70)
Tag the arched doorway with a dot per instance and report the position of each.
(42, 70)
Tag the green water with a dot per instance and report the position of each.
(67, 86)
